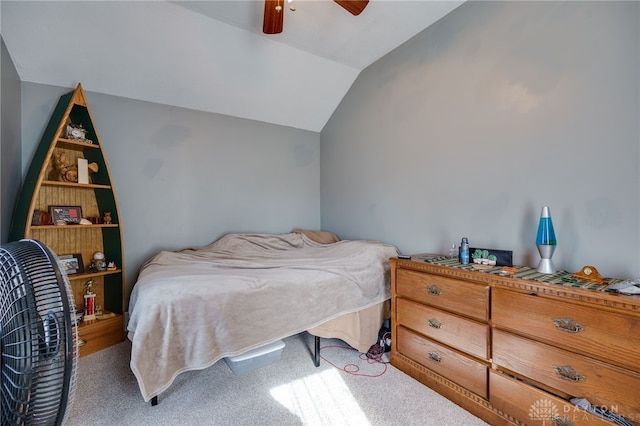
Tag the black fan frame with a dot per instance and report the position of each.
(38, 350)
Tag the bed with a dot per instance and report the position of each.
(193, 307)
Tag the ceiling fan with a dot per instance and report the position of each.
(274, 13)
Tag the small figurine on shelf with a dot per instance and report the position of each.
(107, 218)
(98, 263)
(88, 287)
(77, 132)
(111, 266)
(89, 301)
(63, 170)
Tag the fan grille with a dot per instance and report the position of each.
(39, 340)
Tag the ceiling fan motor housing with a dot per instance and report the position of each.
(273, 20)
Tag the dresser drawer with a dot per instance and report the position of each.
(576, 375)
(608, 336)
(451, 364)
(533, 406)
(447, 293)
(462, 333)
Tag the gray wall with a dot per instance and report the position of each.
(466, 130)
(10, 171)
(183, 178)
(496, 110)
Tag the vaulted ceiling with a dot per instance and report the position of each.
(211, 55)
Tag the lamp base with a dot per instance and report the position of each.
(546, 267)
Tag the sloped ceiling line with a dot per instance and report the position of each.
(211, 55)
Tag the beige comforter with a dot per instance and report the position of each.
(191, 308)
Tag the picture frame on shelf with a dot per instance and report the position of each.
(72, 263)
(40, 217)
(66, 214)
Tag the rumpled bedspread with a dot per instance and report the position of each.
(193, 307)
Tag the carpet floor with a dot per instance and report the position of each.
(345, 390)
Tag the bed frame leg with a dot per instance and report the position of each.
(154, 401)
(316, 355)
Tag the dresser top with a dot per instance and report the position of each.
(523, 278)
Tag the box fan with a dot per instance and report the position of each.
(38, 348)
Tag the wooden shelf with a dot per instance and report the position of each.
(71, 144)
(75, 184)
(95, 335)
(95, 323)
(88, 275)
(39, 192)
(57, 227)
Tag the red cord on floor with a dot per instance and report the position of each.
(354, 369)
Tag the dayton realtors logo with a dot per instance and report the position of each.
(547, 412)
(543, 410)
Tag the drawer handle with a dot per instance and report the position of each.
(567, 373)
(434, 290)
(568, 325)
(435, 357)
(434, 323)
(561, 421)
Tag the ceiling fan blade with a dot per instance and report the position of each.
(273, 16)
(355, 7)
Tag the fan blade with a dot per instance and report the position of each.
(273, 16)
(355, 7)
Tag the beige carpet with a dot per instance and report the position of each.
(290, 392)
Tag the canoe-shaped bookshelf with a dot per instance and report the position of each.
(69, 180)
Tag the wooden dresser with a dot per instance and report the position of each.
(511, 350)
